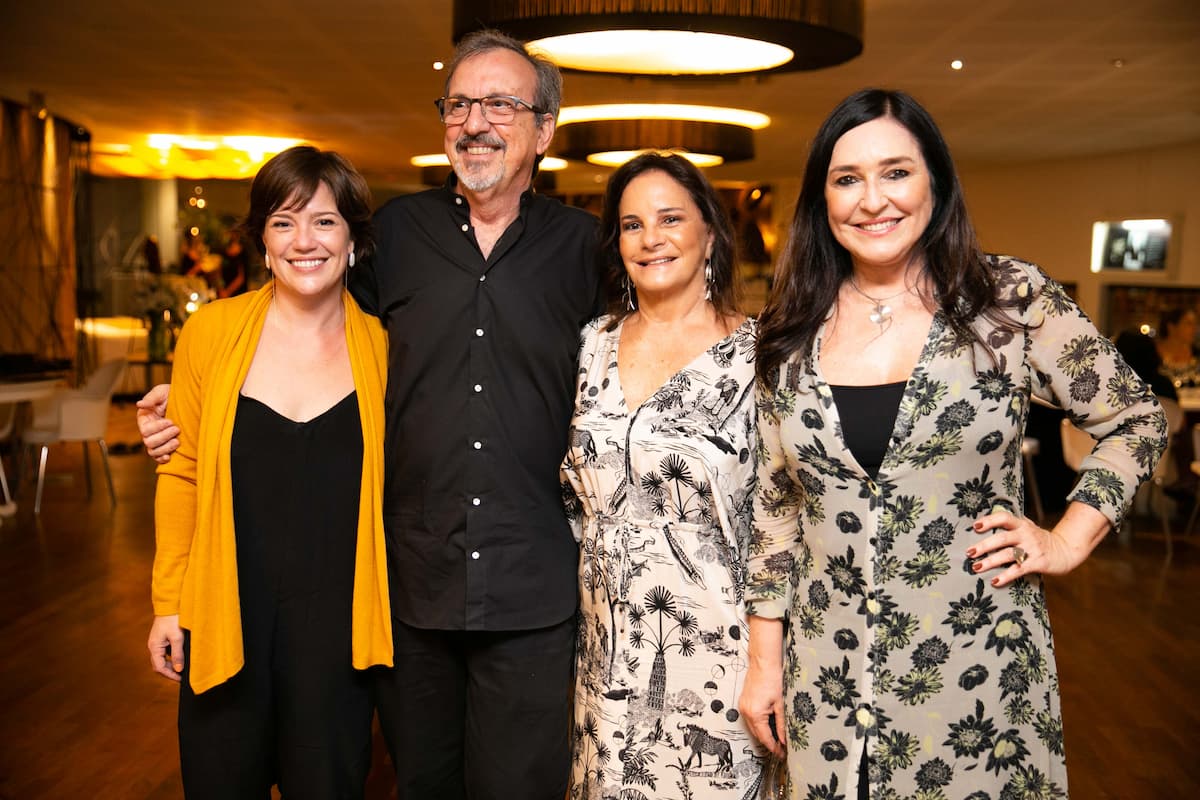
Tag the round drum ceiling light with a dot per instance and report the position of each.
(615, 158)
(662, 52)
(548, 164)
(676, 37)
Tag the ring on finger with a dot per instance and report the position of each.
(1019, 555)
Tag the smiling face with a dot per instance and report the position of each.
(664, 239)
(878, 194)
(490, 157)
(308, 247)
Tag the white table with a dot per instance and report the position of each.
(12, 393)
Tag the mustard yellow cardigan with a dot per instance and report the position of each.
(195, 563)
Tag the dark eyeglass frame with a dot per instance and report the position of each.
(517, 102)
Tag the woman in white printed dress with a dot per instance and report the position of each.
(659, 481)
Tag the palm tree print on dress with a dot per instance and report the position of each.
(665, 621)
(895, 647)
(661, 497)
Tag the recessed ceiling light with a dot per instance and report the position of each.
(956, 64)
(438, 65)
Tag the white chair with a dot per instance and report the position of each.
(77, 415)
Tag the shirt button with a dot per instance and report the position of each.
(474, 501)
(458, 200)
(478, 388)
(479, 331)
(475, 555)
(466, 227)
(478, 445)
(482, 278)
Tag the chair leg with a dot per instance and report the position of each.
(1164, 513)
(1031, 479)
(37, 501)
(87, 470)
(112, 495)
(7, 507)
(1195, 513)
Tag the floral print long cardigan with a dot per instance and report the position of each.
(893, 643)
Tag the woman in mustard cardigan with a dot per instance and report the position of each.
(270, 586)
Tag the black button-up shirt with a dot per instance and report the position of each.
(480, 393)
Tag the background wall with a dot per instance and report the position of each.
(1043, 211)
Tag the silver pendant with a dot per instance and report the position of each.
(881, 314)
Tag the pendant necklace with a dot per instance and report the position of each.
(881, 313)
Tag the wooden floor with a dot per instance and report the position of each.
(82, 715)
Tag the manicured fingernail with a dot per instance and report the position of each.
(978, 526)
(976, 567)
(970, 552)
(178, 667)
(995, 581)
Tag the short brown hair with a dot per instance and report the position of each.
(291, 179)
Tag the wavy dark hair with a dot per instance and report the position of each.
(290, 180)
(725, 283)
(814, 265)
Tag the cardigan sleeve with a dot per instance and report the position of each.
(175, 495)
(1079, 370)
(776, 539)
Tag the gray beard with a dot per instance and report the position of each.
(479, 182)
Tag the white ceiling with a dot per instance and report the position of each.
(356, 75)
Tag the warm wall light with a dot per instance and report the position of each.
(167, 155)
(676, 37)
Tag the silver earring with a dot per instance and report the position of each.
(267, 262)
(629, 295)
(708, 280)
(352, 258)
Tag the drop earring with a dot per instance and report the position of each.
(629, 295)
(708, 279)
(267, 262)
(351, 258)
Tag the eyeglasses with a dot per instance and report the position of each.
(498, 108)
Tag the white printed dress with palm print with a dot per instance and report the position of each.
(895, 645)
(661, 497)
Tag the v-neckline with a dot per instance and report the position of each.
(904, 414)
(631, 411)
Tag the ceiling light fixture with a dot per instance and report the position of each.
(549, 163)
(610, 135)
(676, 37)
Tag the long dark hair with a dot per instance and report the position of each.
(723, 263)
(814, 265)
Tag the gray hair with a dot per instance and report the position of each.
(547, 95)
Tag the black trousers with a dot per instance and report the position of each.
(479, 714)
(297, 714)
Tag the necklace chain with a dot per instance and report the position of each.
(881, 313)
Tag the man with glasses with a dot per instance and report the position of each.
(483, 286)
